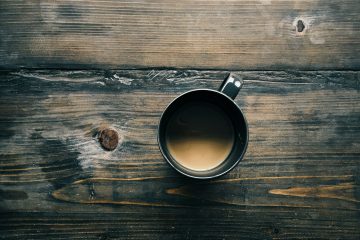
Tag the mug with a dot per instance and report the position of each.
(222, 99)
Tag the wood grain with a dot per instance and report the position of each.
(216, 34)
(299, 179)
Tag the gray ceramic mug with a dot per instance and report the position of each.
(223, 99)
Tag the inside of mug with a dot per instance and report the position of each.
(238, 124)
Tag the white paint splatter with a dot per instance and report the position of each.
(123, 80)
(50, 78)
(100, 83)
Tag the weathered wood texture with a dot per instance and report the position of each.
(232, 34)
(299, 179)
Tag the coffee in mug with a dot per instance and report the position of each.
(199, 136)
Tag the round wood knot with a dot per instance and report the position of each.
(108, 139)
(300, 26)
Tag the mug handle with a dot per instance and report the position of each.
(231, 85)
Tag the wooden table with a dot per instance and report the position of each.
(71, 69)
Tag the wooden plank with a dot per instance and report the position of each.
(299, 178)
(254, 34)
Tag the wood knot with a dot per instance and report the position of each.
(300, 26)
(108, 139)
(275, 231)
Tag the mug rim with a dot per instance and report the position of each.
(215, 175)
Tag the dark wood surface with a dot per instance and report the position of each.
(300, 177)
(202, 34)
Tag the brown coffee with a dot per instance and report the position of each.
(199, 136)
